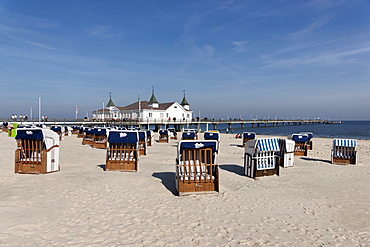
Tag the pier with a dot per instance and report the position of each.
(180, 125)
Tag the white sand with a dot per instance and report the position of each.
(314, 203)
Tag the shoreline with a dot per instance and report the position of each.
(310, 204)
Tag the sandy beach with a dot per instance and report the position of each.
(314, 203)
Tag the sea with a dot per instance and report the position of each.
(347, 129)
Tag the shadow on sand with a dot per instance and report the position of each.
(312, 159)
(168, 180)
(233, 168)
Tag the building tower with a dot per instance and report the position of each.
(153, 101)
(184, 103)
(110, 104)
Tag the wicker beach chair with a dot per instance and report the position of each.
(142, 142)
(99, 139)
(88, 138)
(344, 151)
(189, 135)
(286, 152)
(248, 136)
(59, 130)
(38, 151)
(301, 144)
(213, 135)
(309, 142)
(260, 158)
(150, 137)
(164, 136)
(172, 132)
(197, 169)
(122, 151)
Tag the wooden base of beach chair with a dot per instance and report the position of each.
(300, 149)
(344, 161)
(102, 145)
(268, 172)
(163, 139)
(123, 166)
(87, 142)
(185, 187)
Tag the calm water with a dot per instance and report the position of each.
(348, 129)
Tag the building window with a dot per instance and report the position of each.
(150, 114)
(161, 115)
(187, 115)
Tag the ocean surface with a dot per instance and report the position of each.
(348, 129)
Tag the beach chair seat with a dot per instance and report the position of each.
(248, 136)
(38, 151)
(286, 152)
(260, 158)
(196, 168)
(344, 151)
(301, 144)
(142, 143)
(122, 151)
(99, 138)
(164, 135)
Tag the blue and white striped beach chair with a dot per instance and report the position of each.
(344, 151)
(197, 169)
(122, 151)
(260, 157)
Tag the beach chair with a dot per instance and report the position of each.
(286, 153)
(248, 136)
(344, 151)
(213, 135)
(67, 130)
(172, 132)
(260, 158)
(4, 128)
(192, 131)
(142, 142)
(75, 130)
(88, 138)
(164, 135)
(122, 151)
(301, 144)
(150, 137)
(59, 130)
(81, 132)
(189, 135)
(38, 151)
(309, 142)
(99, 138)
(196, 168)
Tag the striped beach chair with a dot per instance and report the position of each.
(344, 151)
(196, 168)
(248, 136)
(260, 157)
(122, 151)
(301, 144)
(38, 151)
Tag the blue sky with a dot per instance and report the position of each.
(285, 59)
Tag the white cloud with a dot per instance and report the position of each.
(239, 45)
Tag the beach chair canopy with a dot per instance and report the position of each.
(188, 135)
(210, 135)
(189, 144)
(49, 137)
(300, 137)
(56, 128)
(268, 144)
(249, 135)
(309, 134)
(344, 143)
(115, 136)
(191, 130)
(163, 132)
(99, 131)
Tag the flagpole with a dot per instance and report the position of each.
(39, 109)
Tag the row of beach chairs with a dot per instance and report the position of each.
(196, 163)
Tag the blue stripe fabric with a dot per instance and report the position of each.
(268, 144)
(345, 142)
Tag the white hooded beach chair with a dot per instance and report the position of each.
(38, 151)
(301, 144)
(344, 151)
(99, 138)
(260, 157)
(248, 136)
(286, 153)
(197, 169)
(122, 151)
(164, 135)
